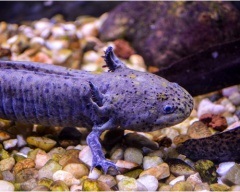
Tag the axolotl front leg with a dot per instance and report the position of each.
(93, 138)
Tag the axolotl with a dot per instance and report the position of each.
(120, 98)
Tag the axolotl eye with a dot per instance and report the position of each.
(167, 109)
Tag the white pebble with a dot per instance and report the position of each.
(41, 159)
(41, 25)
(177, 179)
(235, 98)
(94, 174)
(133, 155)
(6, 186)
(229, 91)
(37, 40)
(66, 177)
(149, 162)
(108, 179)
(89, 29)
(21, 141)
(10, 143)
(149, 181)
(58, 32)
(56, 44)
(76, 188)
(25, 150)
(224, 167)
(128, 184)
(228, 105)
(86, 156)
(206, 106)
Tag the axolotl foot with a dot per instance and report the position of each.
(104, 164)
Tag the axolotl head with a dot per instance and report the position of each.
(146, 101)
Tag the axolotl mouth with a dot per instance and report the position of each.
(176, 108)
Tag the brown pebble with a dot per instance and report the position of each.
(217, 122)
(24, 164)
(123, 49)
(198, 130)
(180, 139)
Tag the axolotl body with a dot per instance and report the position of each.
(121, 98)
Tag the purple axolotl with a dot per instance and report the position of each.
(52, 95)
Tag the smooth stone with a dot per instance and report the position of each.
(28, 185)
(133, 155)
(129, 184)
(227, 92)
(224, 167)
(78, 170)
(182, 186)
(49, 169)
(133, 173)
(74, 188)
(8, 176)
(45, 182)
(7, 164)
(139, 141)
(149, 181)
(198, 130)
(23, 164)
(232, 176)
(235, 188)
(151, 161)
(26, 174)
(207, 171)
(71, 156)
(94, 174)
(86, 156)
(228, 105)
(160, 172)
(94, 185)
(202, 187)
(65, 176)
(179, 167)
(41, 159)
(177, 179)
(6, 186)
(21, 141)
(206, 106)
(108, 179)
(194, 179)
(40, 188)
(10, 143)
(41, 142)
(59, 186)
(4, 136)
(219, 187)
(126, 164)
(117, 154)
(235, 98)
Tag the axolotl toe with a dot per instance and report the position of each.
(121, 98)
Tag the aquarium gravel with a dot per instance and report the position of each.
(41, 158)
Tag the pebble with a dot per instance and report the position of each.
(202, 187)
(232, 177)
(219, 187)
(130, 184)
(23, 164)
(8, 176)
(179, 167)
(133, 155)
(117, 154)
(194, 179)
(149, 181)
(26, 174)
(78, 170)
(227, 92)
(151, 161)
(49, 169)
(181, 138)
(108, 179)
(133, 173)
(41, 142)
(94, 174)
(160, 172)
(21, 141)
(228, 105)
(177, 179)
(235, 98)
(139, 141)
(223, 168)
(86, 156)
(41, 159)
(29, 184)
(207, 171)
(76, 188)
(10, 143)
(7, 164)
(40, 188)
(206, 106)
(59, 186)
(94, 185)
(65, 176)
(4, 136)
(182, 186)
(217, 122)
(126, 164)
(198, 130)
(6, 186)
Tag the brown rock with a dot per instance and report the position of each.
(23, 164)
(217, 122)
(180, 139)
(198, 130)
(123, 49)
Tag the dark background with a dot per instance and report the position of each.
(18, 11)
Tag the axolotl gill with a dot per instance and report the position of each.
(120, 98)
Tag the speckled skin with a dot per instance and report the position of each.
(57, 96)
